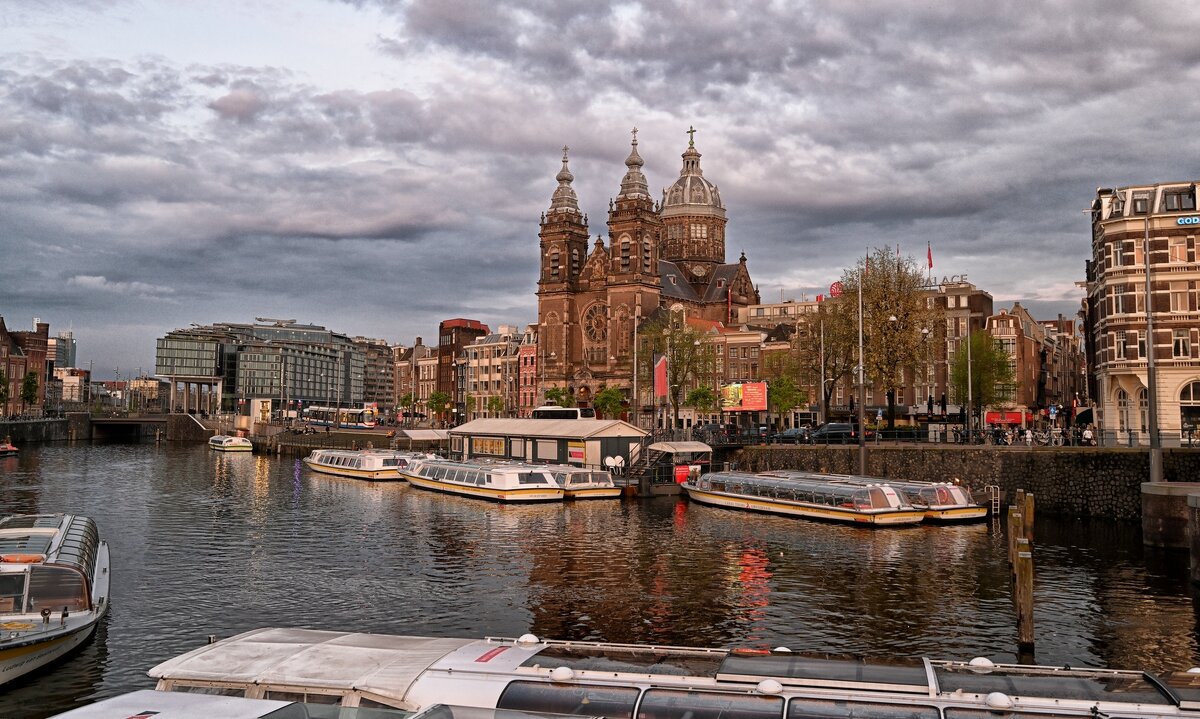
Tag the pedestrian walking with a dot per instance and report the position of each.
(1028, 437)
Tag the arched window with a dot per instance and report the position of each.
(1189, 406)
(646, 254)
(1143, 408)
(1122, 410)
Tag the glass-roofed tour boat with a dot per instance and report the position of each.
(370, 464)
(942, 502)
(817, 497)
(584, 482)
(229, 443)
(624, 681)
(53, 588)
(497, 481)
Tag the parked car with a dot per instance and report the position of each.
(837, 433)
(791, 435)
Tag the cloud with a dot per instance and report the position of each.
(96, 283)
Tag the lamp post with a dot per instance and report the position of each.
(1156, 470)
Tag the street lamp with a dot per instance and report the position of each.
(1156, 469)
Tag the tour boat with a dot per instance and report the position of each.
(529, 674)
(500, 482)
(584, 483)
(820, 498)
(8, 449)
(53, 588)
(370, 464)
(942, 502)
(228, 443)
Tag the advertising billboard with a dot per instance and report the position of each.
(744, 397)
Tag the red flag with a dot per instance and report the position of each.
(660, 377)
(929, 249)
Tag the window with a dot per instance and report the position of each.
(1179, 200)
(1179, 296)
(569, 699)
(1141, 345)
(1181, 344)
(1141, 203)
(625, 253)
(1177, 249)
(1120, 345)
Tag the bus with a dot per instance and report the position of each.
(553, 411)
(343, 417)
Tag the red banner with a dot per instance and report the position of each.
(1006, 417)
(660, 378)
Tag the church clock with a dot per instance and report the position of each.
(595, 323)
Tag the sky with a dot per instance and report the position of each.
(376, 167)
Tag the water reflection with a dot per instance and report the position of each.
(213, 543)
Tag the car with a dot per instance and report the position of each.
(836, 433)
(791, 435)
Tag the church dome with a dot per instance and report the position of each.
(564, 199)
(692, 194)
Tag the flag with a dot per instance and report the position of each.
(929, 253)
(660, 377)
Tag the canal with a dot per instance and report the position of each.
(207, 543)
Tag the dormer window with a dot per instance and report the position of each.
(1180, 199)
(1141, 204)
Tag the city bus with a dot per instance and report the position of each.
(553, 411)
(342, 417)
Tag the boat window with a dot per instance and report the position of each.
(952, 713)
(802, 708)
(307, 698)
(12, 590)
(1087, 685)
(879, 499)
(611, 702)
(210, 691)
(55, 588)
(676, 704)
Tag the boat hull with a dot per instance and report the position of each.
(593, 493)
(22, 658)
(231, 449)
(952, 515)
(533, 494)
(371, 475)
(807, 511)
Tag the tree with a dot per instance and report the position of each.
(704, 400)
(495, 405)
(3, 390)
(992, 377)
(29, 390)
(609, 402)
(560, 396)
(894, 313)
(408, 403)
(690, 361)
(438, 403)
(783, 395)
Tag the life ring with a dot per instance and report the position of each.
(15, 625)
(22, 558)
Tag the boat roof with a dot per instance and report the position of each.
(64, 539)
(680, 447)
(425, 435)
(172, 705)
(382, 664)
(570, 428)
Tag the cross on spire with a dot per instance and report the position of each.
(635, 135)
(691, 133)
(565, 148)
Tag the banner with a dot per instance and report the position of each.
(660, 378)
(746, 397)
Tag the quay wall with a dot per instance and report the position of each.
(30, 431)
(1067, 481)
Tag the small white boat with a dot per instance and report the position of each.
(582, 678)
(54, 577)
(584, 483)
(499, 482)
(229, 443)
(815, 497)
(369, 464)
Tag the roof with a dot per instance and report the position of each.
(558, 428)
(425, 434)
(378, 663)
(679, 447)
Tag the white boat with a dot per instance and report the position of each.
(229, 443)
(816, 497)
(499, 482)
(942, 502)
(657, 682)
(584, 483)
(54, 577)
(370, 464)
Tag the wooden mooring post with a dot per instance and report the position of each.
(1020, 558)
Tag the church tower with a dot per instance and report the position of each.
(564, 240)
(693, 219)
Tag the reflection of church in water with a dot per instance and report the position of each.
(669, 255)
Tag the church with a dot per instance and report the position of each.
(665, 255)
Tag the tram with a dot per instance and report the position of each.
(342, 417)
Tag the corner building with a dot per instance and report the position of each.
(669, 255)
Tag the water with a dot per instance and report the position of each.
(210, 543)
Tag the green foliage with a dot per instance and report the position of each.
(438, 402)
(691, 362)
(704, 400)
(560, 396)
(609, 402)
(992, 379)
(29, 389)
(495, 405)
(783, 395)
(3, 389)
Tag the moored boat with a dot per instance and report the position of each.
(942, 502)
(584, 483)
(656, 682)
(54, 588)
(825, 498)
(229, 443)
(499, 482)
(369, 464)
(8, 449)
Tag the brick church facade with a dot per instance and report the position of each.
(667, 255)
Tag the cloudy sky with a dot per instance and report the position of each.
(376, 167)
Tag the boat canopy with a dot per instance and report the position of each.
(799, 488)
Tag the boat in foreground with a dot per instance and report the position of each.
(369, 464)
(8, 449)
(656, 682)
(942, 502)
(499, 482)
(229, 443)
(874, 505)
(54, 582)
(584, 483)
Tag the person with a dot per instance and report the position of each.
(1088, 437)
(1028, 437)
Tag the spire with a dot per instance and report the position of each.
(691, 157)
(634, 183)
(564, 198)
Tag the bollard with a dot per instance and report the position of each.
(1023, 591)
(1027, 517)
